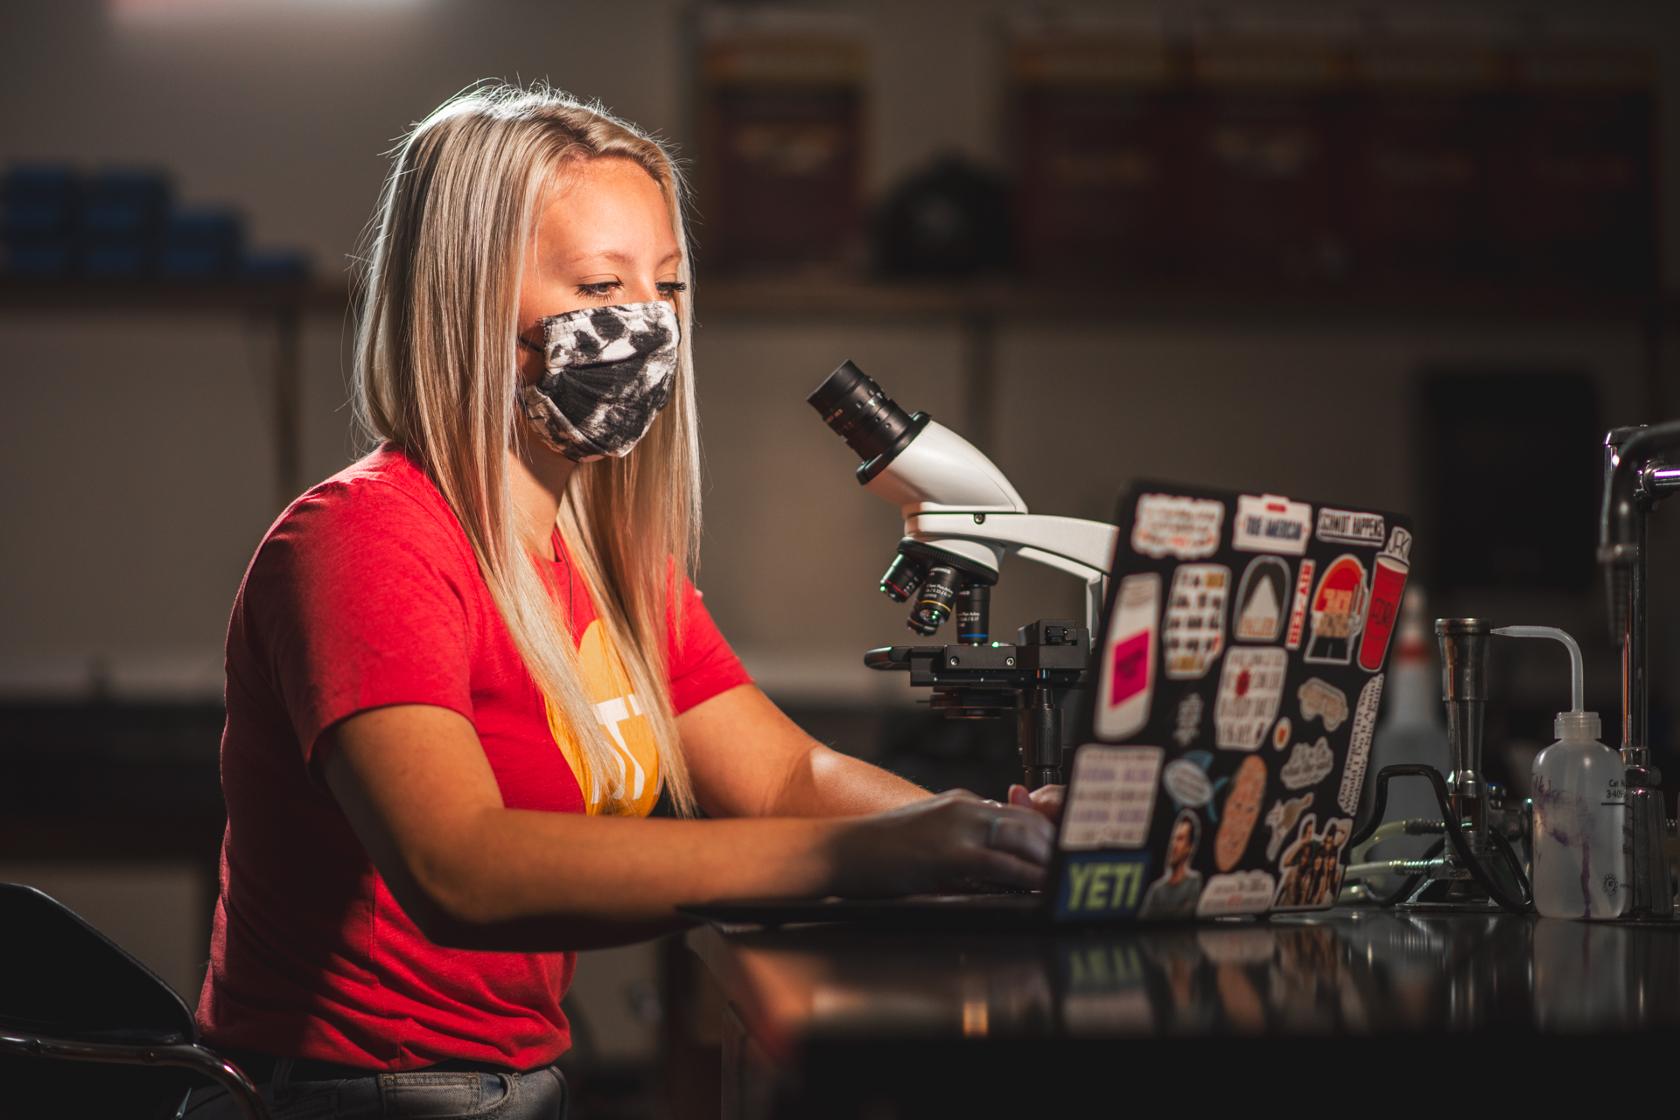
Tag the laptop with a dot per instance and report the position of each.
(1235, 676)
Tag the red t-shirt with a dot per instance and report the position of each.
(365, 593)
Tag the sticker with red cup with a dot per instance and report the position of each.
(1388, 585)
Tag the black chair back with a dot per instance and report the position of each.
(62, 979)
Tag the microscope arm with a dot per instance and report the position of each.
(1068, 544)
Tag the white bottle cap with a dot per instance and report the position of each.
(1577, 726)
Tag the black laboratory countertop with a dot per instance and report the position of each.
(919, 1011)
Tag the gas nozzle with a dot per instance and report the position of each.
(1464, 645)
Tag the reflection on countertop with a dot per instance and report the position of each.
(1344, 972)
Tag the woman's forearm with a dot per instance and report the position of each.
(524, 880)
(826, 783)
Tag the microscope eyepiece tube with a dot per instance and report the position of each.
(861, 413)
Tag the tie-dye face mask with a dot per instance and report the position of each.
(607, 374)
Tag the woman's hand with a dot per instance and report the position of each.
(1045, 799)
(948, 842)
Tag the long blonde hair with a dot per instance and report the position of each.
(436, 374)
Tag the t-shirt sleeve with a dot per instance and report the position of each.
(698, 659)
(355, 601)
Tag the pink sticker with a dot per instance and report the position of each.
(1127, 683)
(1129, 669)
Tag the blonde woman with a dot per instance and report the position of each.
(460, 672)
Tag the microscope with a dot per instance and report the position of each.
(961, 518)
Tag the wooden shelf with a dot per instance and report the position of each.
(1079, 302)
(162, 295)
(830, 298)
(977, 307)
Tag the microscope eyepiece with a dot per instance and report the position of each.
(861, 413)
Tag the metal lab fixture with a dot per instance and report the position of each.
(1464, 651)
(1636, 478)
(1460, 878)
(1478, 868)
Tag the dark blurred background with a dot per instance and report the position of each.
(1405, 254)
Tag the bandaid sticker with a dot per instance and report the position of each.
(1240, 812)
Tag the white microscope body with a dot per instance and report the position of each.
(961, 518)
(960, 512)
(956, 501)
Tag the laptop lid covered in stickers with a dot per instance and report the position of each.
(1237, 672)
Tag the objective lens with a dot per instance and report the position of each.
(860, 413)
(933, 605)
(974, 609)
(902, 578)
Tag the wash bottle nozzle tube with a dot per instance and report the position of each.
(1582, 724)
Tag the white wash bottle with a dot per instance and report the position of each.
(1580, 815)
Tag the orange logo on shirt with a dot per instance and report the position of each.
(635, 782)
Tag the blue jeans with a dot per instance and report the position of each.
(418, 1095)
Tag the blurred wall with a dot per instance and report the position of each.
(138, 447)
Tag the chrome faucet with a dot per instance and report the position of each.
(1635, 480)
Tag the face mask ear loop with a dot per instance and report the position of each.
(529, 345)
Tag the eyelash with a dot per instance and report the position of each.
(600, 290)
